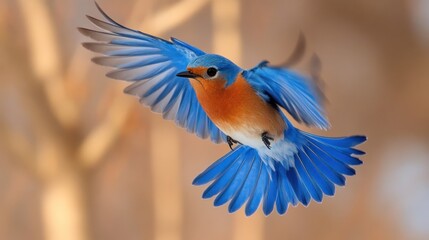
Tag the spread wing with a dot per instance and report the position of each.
(151, 64)
(293, 92)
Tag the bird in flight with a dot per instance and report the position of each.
(273, 163)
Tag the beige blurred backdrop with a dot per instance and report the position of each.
(80, 160)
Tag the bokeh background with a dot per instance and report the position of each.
(80, 160)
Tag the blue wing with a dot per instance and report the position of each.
(152, 63)
(291, 91)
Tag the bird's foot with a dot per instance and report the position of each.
(266, 139)
(231, 141)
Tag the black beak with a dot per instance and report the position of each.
(187, 74)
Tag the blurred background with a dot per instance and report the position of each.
(80, 160)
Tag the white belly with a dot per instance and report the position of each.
(250, 135)
(281, 150)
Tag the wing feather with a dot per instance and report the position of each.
(151, 64)
(293, 92)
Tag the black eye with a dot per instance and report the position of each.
(211, 72)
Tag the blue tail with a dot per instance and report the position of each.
(319, 163)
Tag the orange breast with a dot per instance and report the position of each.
(238, 107)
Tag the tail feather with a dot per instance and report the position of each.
(258, 191)
(312, 187)
(329, 173)
(341, 142)
(290, 189)
(281, 202)
(345, 158)
(338, 166)
(325, 185)
(297, 187)
(243, 175)
(246, 188)
(353, 151)
(350, 151)
(218, 167)
(224, 178)
(283, 198)
(236, 181)
(270, 194)
(340, 156)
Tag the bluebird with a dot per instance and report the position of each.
(273, 163)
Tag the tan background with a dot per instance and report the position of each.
(80, 160)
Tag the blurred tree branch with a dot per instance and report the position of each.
(53, 113)
(45, 59)
(166, 175)
(17, 147)
(103, 136)
(173, 16)
(227, 40)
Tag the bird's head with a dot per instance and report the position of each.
(210, 69)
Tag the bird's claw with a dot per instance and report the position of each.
(266, 139)
(231, 141)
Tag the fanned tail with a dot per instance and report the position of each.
(243, 176)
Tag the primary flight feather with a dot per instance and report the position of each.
(274, 164)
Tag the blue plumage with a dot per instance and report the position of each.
(295, 167)
(314, 174)
(291, 91)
